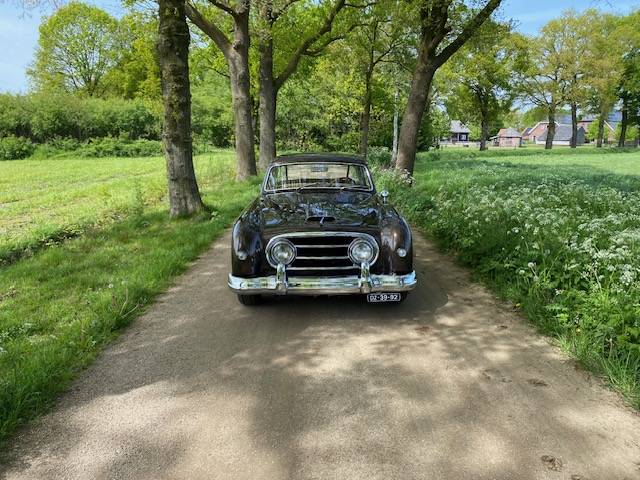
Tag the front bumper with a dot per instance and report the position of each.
(281, 284)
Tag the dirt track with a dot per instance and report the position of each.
(449, 385)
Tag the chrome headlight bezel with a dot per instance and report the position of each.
(271, 256)
(373, 246)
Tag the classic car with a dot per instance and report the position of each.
(319, 227)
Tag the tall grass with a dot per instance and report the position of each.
(560, 237)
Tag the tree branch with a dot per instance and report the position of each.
(209, 29)
(276, 14)
(317, 51)
(467, 32)
(362, 5)
(304, 47)
(223, 6)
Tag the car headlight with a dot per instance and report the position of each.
(281, 252)
(361, 251)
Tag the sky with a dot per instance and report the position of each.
(19, 30)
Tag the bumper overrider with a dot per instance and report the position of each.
(281, 283)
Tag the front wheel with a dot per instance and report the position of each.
(249, 300)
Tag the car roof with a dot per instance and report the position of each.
(319, 157)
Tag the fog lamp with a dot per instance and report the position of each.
(401, 252)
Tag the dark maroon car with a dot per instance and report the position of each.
(320, 228)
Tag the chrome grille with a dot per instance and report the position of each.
(322, 253)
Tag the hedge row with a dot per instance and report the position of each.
(47, 118)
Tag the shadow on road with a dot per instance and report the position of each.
(448, 384)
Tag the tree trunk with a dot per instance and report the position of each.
(396, 115)
(600, 130)
(623, 124)
(484, 129)
(236, 54)
(241, 93)
(416, 105)
(173, 53)
(268, 102)
(551, 129)
(574, 125)
(365, 117)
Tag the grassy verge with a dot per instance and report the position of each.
(62, 304)
(559, 236)
(46, 201)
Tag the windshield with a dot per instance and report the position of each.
(299, 176)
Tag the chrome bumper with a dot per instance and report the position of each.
(281, 284)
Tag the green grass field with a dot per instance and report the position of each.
(46, 200)
(558, 234)
(67, 297)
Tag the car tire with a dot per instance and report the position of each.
(250, 300)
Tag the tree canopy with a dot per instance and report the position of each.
(78, 45)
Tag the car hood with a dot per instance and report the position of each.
(320, 209)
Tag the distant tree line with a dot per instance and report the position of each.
(589, 64)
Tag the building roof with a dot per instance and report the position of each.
(527, 131)
(563, 133)
(613, 117)
(542, 123)
(508, 133)
(457, 126)
(319, 157)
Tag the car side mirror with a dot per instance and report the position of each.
(384, 194)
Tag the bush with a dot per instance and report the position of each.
(129, 119)
(45, 118)
(379, 157)
(100, 147)
(211, 122)
(15, 112)
(54, 116)
(112, 147)
(13, 148)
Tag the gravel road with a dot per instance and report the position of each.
(452, 384)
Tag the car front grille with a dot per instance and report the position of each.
(325, 254)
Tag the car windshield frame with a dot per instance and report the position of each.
(358, 188)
